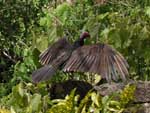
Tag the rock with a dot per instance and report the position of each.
(142, 92)
(141, 103)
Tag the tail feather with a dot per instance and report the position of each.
(43, 74)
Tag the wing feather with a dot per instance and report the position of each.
(123, 65)
(113, 69)
(53, 51)
(119, 69)
(100, 59)
(109, 78)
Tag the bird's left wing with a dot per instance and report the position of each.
(100, 59)
(55, 50)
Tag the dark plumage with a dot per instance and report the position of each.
(77, 57)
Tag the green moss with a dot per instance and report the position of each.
(127, 95)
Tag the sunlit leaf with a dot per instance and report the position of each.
(95, 98)
(147, 11)
(4, 111)
(35, 103)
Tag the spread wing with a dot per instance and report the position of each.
(52, 58)
(54, 51)
(100, 59)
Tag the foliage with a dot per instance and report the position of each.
(27, 98)
(123, 24)
(4, 111)
(127, 94)
(127, 29)
(66, 105)
(27, 27)
(18, 19)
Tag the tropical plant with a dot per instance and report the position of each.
(27, 27)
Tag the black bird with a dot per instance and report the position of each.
(97, 58)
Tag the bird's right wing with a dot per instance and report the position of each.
(54, 51)
(100, 59)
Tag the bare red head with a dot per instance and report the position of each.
(84, 35)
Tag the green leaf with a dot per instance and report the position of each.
(62, 8)
(35, 103)
(42, 43)
(36, 53)
(43, 21)
(147, 11)
(103, 16)
(18, 91)
(97, 79)
(95, 98)
(114, 38)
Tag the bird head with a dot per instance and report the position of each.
(84, 35)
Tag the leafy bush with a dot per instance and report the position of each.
(123, 24)
(18, 19)
(26, 98)
(28, 27)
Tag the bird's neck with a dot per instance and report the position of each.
(78, 43)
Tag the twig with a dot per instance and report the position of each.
(9, 57)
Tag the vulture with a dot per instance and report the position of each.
(99, 59)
